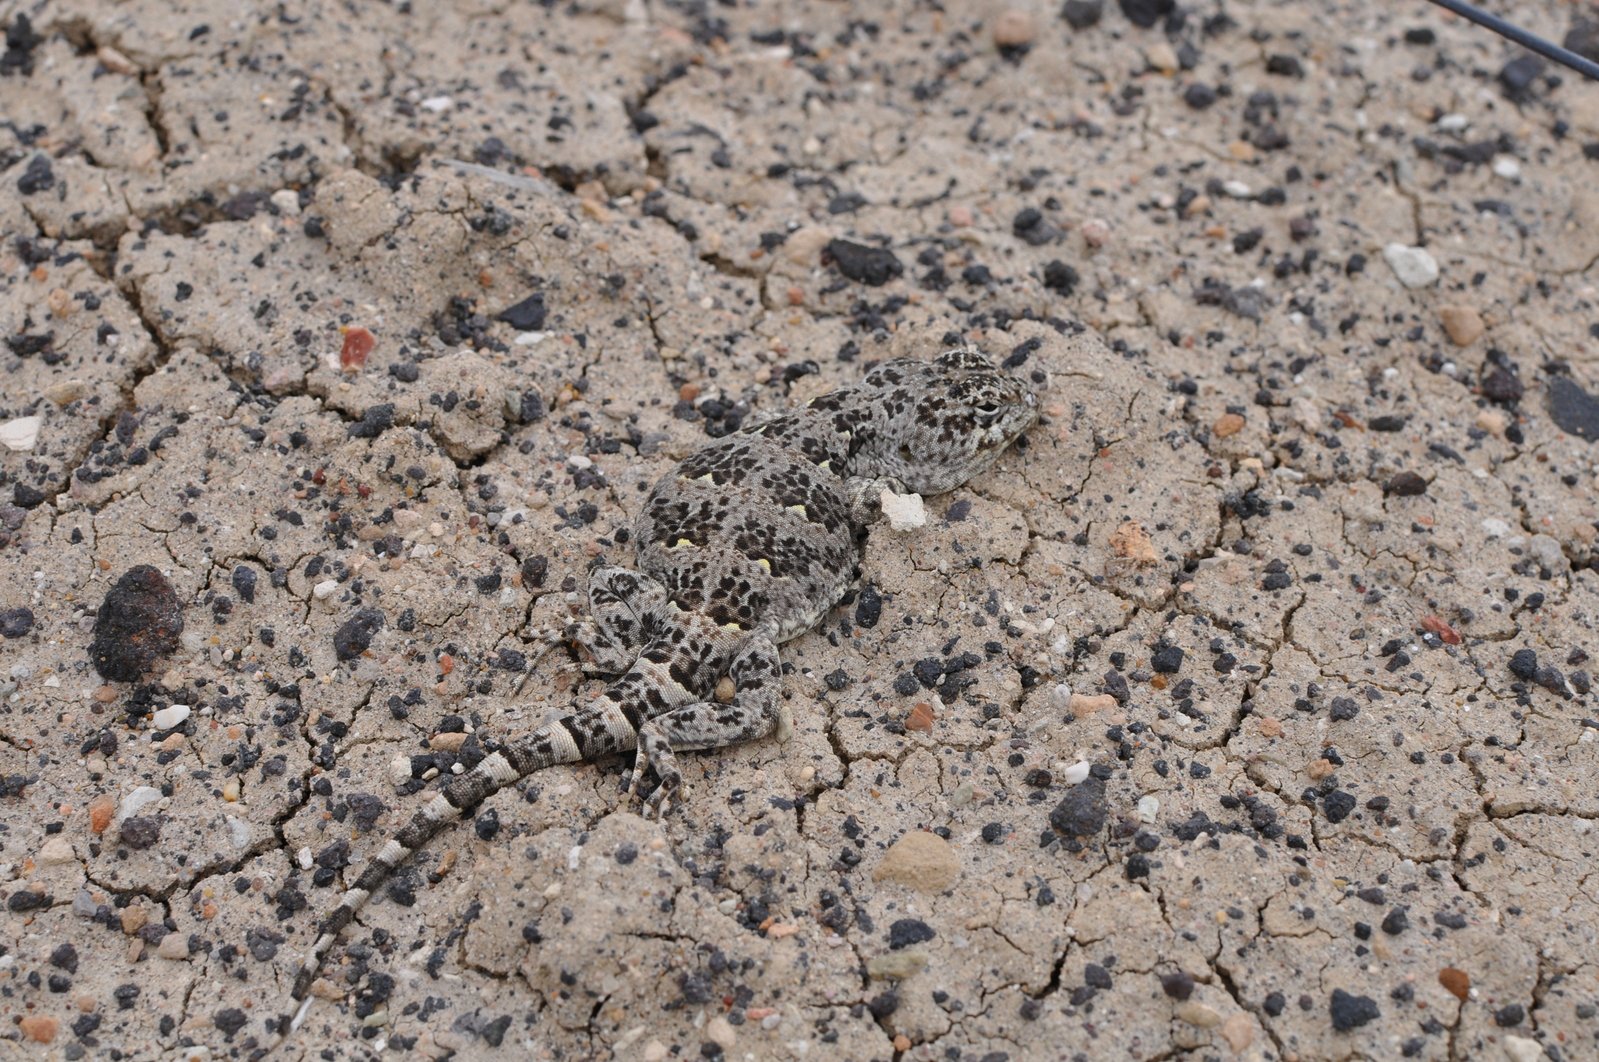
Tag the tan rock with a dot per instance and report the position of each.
(173, 946)
(1014, 29)
(1491, 421)
(1319, 769)
(447, 742)
(1462, 323)
(1131, 542)
(1161, 56)
(56, 851)
(40, 1028)
(923, 861)
(1083, 704)
(1198, 1014)
(720, 1032)
(1238, 1031)
(134, 917)
(1228, 424)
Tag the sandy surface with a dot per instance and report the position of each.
(1243, 713)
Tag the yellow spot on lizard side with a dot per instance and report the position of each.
(731, 627)
(764, 563)
(680, 543)
(799, 509)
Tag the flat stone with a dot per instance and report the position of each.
(921, 860)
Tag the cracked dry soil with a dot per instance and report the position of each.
(1244, 712)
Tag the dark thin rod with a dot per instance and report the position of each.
(1547, 49)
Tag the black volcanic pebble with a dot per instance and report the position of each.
(1351, 1012)
(355, 633)
(15, 622)
(1405, 485)
(1081, 14)
(1145, 13)
(527, 315)
(139, 621)
(872, 266)
(1574, 410)
(1081, 812)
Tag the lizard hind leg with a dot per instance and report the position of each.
(754, 712)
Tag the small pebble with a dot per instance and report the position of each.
(1198, 1014)
(1227, 424)
(1162, 56)
(1014, 29)
(21, 433)
(135, 802)
(169, 717)
(1414, 266)
(1463, 324)
(40, 1028)
(1238, 1031)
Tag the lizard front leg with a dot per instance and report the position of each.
(866, 496)
(621, 602)
(754, 712)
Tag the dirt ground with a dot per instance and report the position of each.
(1245, 712)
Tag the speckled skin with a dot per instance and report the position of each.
(746, 544)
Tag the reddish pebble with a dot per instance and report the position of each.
(1436, 625)
(358, 343)
(920, 717)
(1458, 982)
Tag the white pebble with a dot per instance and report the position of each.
(1414, 267)
(21, 433)
(287, 201)
(136, 802)
(574, 856)
(1507, 167)
(1521, 1049)
(1148, 809)
(438, 104)
(324, 590)
(1495, 527)
(1236, 189)
(1452, 123)
(577, 463)
(904, 512)
(1077, 772)
(303, 856)
(238, 832)
(169, 717)
(1546, 551)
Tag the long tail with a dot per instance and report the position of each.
(606, 729)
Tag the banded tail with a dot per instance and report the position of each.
(605, 729)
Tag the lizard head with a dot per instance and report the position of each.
(938, 423)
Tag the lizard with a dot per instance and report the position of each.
(746, 544)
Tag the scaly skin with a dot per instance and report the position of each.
(745, 545)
